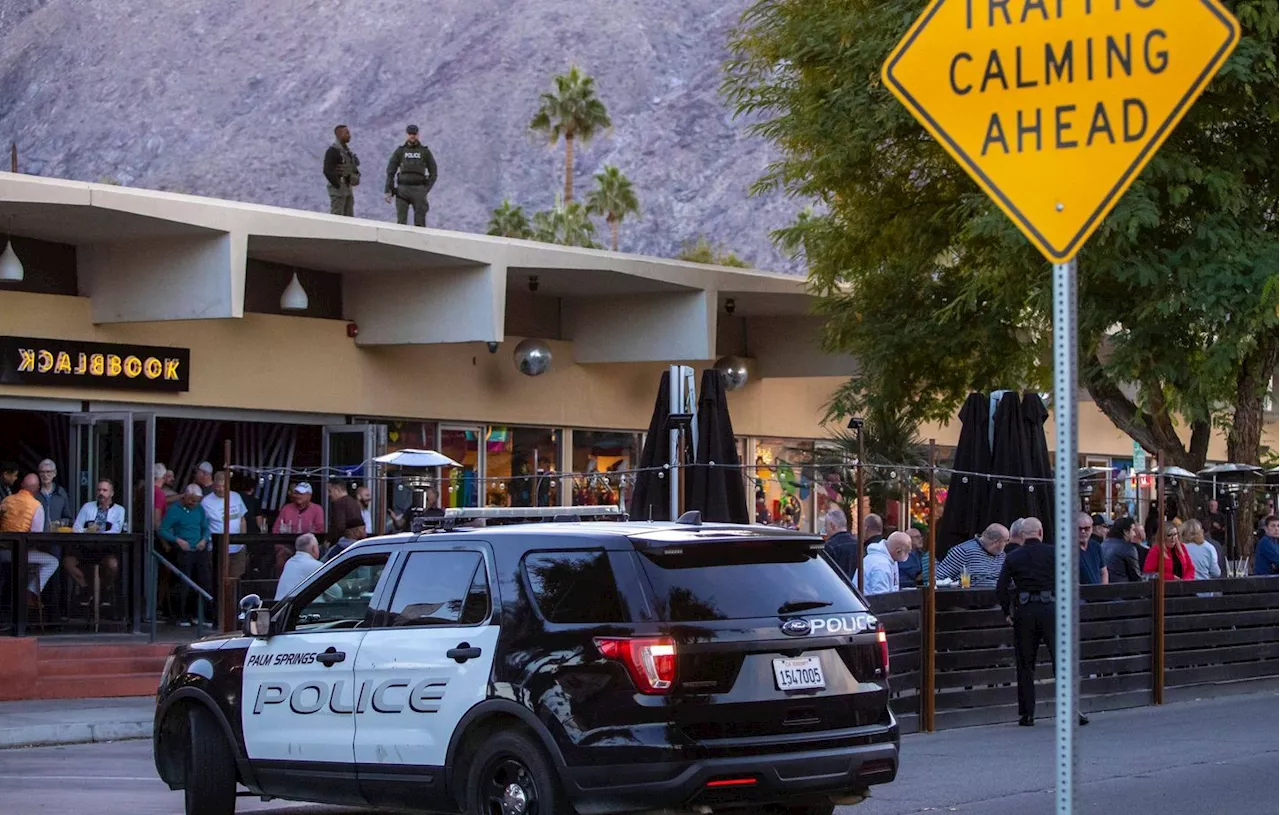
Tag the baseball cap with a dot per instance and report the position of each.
(411, 129)
(355, 521)
(303, 488)
(1100, 520)
(205, 467)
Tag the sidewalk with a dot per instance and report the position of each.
(75, 721)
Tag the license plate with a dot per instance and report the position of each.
(802, 673)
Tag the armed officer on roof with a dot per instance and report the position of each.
(1030, 569)
(416, 169)
(342, 171)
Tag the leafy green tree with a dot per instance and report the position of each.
(509, 221)
(567, 224)
(892, 448)
(704, 251)
(936, 293)
(614, 197)
(572, 112)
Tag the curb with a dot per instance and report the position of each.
(50, 735)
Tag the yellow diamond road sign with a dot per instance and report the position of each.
(1055, 106)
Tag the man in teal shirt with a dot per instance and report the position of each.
(186, 528)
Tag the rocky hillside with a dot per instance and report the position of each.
(237, 99)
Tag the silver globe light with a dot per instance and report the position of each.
(733, 372)
(533, 357)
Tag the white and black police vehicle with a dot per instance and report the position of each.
(543, 669)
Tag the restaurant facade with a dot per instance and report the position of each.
(152, 327)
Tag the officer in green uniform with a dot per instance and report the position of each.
(342, 171)
(417, 175)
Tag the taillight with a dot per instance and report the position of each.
(651, 661)
(883, 639)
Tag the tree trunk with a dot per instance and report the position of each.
(1244, 439)
(568, 168)
(613, 227)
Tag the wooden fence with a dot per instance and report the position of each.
(1221, 636)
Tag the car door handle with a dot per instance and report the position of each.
(332, 656)
(462, 653)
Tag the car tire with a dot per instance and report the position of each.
(510, 773)
(209, 784)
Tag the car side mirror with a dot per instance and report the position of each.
(257, 623)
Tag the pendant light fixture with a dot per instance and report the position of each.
(294, 297)
(11, 270)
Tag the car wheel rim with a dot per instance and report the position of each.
(509, 788)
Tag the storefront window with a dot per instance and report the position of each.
(522, 467)
(605, 459)
(408, 488)
(833, 481)
(461, 486)
(783, 483)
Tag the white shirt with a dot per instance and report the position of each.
(296, 569)
(89, 514)
(368, 519)
(882, 571)
(37, 520)
(213, 506)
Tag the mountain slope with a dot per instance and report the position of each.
(238, 98)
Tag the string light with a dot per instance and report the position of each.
(812, 473)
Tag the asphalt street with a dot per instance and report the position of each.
(1183, 759)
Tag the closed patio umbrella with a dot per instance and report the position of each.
(1006, 497)
(966, 495)
(719, 491)
(1039, 501)
(650, 498)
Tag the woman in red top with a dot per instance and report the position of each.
(1177, 560)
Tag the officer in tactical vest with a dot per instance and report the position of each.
(417, 175)
(342, 171)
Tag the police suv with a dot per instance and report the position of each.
(543, 669)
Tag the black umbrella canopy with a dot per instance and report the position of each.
(651, 497)
(1039, 495)
(1006, 498)
(719, 491)
(966, 495)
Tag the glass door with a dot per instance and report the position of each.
(117, 451)
(347, 452)
(102, 449)
(462, 486)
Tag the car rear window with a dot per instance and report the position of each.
(742, 580)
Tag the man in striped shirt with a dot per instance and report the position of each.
(982, 557)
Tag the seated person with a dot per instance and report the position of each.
(102, 516)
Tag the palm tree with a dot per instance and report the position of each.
(894, 454)
(614, 197)
(509, 221)
(573, 112)
(565, 224)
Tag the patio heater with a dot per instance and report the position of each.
(1088, 476)
(1231, 478)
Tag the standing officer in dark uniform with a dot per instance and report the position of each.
(342, 171)
(417, 169)
(1030, 568)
